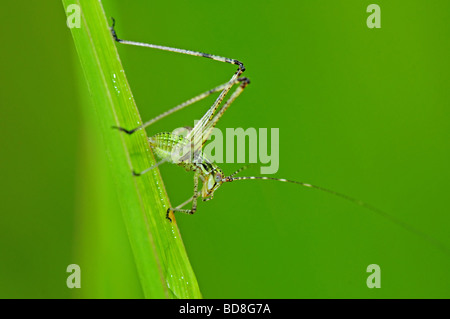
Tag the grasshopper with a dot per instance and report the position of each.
(186, 151)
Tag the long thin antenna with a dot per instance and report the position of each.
(241, 169)
(374, 209)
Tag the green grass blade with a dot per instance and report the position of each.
(160, 256)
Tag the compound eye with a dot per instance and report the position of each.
(218, 177)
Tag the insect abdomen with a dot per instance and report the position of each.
(164, 143)
(170, 147)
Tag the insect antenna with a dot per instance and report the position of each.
(374, 209)
(240, 170)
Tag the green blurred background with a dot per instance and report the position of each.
(361, 111)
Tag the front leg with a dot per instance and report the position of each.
(193, 199)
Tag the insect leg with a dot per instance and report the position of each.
(176, 108)
(208, 116)
(210, 113)
(211, 124)
(150, 168)
(192, 133)
(193, 199)
(183, 105)
(176, 50)
(179, 206)
(197, 135)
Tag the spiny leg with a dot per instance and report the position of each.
(183, 105)
(203, 129)
(179, 206)
(197, 136)
(210, 113)
(208, 116)
(176, 108)
(150, 168)
(193, 199)
(212, 123)
(176, 50)
(197, 139)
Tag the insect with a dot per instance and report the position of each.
(186, 151)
